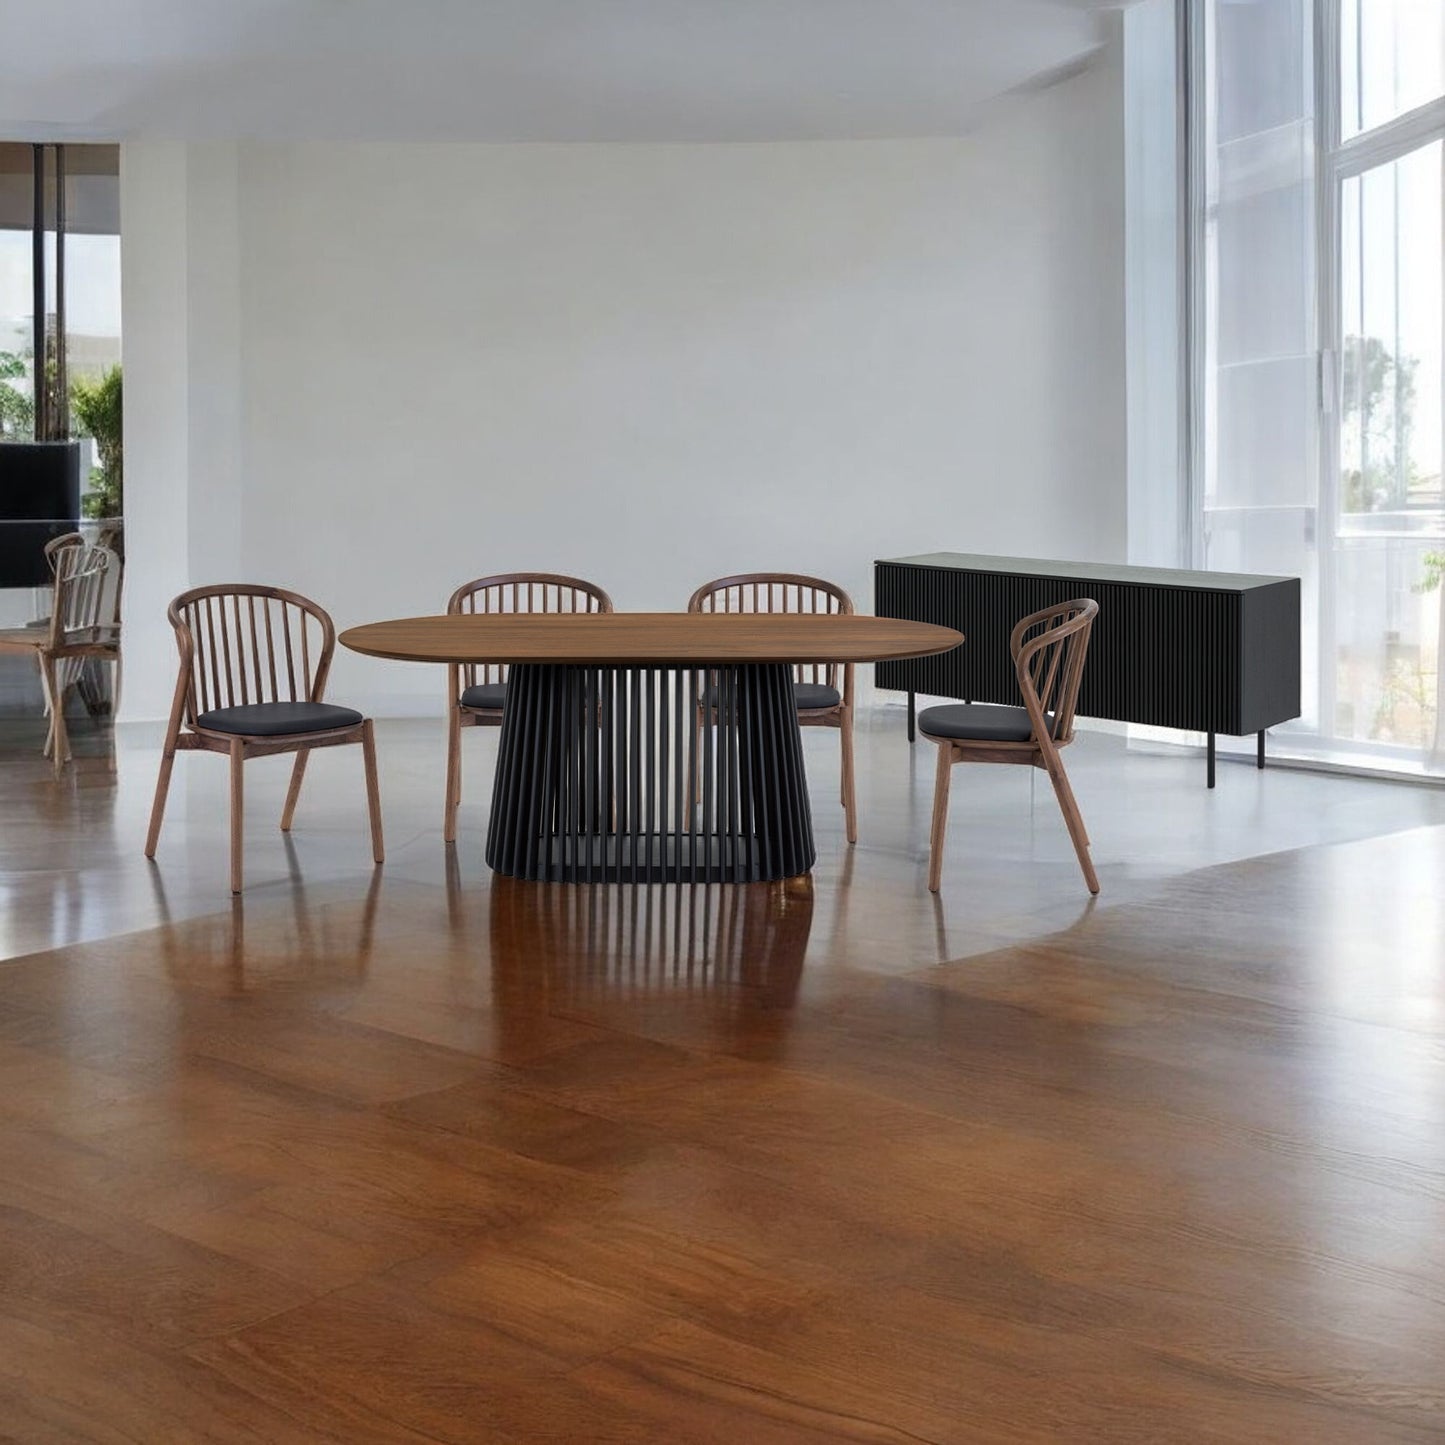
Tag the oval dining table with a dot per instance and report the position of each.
(650, 746)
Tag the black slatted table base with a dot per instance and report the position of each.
(618, 774)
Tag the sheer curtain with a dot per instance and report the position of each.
(1256, 401)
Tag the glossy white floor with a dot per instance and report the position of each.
(71, 866)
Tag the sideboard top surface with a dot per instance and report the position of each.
(1091, 571)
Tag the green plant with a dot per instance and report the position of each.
(1434, 565)
(95, 409)
(1377, 394)
(17, 411)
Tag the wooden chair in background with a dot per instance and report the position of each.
(60, 544)
(93, 623)
(476, 692)
(1048, 650)
(84, 624)
(823, 691)
(254, 662)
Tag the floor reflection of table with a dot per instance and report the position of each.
(605, 770)
(702, 955)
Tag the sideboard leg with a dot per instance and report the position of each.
(911, 698)
(1259, 750)
(1210, 755)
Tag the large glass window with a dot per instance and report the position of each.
(17, 305)
(1319, 315)
(79, 307)
(1392, 59)
(59, 360)
(1383, 203)
(1390, 350)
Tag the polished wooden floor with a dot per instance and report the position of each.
(475, 1161)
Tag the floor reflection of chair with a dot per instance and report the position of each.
(309, 945)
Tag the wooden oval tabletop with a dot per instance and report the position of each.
(640, 638)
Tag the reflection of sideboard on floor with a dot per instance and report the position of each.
(1210, 652)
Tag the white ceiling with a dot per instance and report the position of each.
(623, 70)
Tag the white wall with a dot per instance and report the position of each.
(647, 365)
(1154, 298)
(153, 267)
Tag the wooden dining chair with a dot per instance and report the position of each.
(822, 691)
(84, 624)
(476, 692)
(1048, 649)
(254, 663)
(94, 617)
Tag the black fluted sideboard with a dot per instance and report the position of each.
(1210, 652)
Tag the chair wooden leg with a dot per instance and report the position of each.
(163, 787)
(850, 802)
(238, 758)
(373, 791)
(1074, 821)
(694, 778)
(454, 771)
(940, 816)
(115, 678)
(59, 739)
(298, 771)
(62, 731)
(45, 704)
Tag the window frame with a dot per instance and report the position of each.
(1336, 161)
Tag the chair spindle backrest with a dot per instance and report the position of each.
(84, 585)
(522, 592)
(86, 578)
(778, 592)
(241, 643)
(59, 544)
(1048, 649)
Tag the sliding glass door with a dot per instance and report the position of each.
(1383, 205)
(1389, 514)
(1319, 324)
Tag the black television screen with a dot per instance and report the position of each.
(39, 500)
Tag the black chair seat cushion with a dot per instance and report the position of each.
(979, 722)
(810, 695)
(278, 719)
(485, 696)
(806, 696)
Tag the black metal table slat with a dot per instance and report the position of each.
(604, 774)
